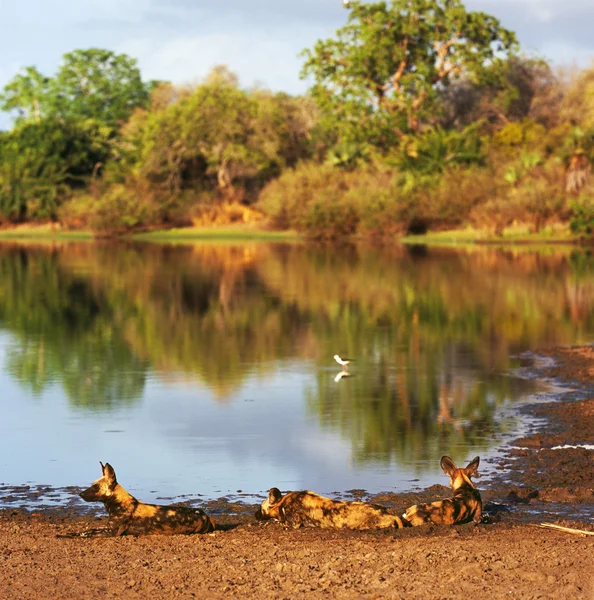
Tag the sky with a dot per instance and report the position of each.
(180, 40)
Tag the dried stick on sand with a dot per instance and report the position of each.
(566, 529)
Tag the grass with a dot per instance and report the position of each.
(517, 234)
(239, 232)
(216, 233)
(43, 231)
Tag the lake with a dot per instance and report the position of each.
(206, 370)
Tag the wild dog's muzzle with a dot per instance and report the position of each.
(91, 494)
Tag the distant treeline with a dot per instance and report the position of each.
(419, 118)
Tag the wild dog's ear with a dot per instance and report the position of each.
(274, 495)
(472, 467)
(109, 473)
(448, 465)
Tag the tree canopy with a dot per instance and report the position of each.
(382, 74)
(91, 83)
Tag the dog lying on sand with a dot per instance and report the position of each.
(129, 516)
(465, 506)
(296, 509)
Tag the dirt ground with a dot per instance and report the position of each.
(511, 557)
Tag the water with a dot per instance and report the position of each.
(205, 371)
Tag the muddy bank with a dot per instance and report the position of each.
(539, 475)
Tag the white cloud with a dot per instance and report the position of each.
(78, 11)
(255, 58)
(544, 10)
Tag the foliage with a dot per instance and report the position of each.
(577, 105)
(117, 209)
(90, 84)
(347, 156)
(382, 74)
(435, 149)
(26, 94)
(373, 200)
(535, 197)
(219, 134)
(41, 162)
(581, 221)
(421, 117)
(520, 88)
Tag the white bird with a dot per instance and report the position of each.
(346, 3)
(343, 362)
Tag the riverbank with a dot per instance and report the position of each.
(260, 231)
(548, 471)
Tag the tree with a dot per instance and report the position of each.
(219, 134)
(381, 77)
(524, 87)
(90, 84)
(26, 94)
(41, 162)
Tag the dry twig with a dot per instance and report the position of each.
(566, 529)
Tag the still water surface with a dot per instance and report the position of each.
(207, 369)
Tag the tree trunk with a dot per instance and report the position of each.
(224, 177)
(578, 173)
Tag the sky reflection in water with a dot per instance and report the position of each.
(208, 369)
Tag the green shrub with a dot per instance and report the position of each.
(117, 208)
(542, 196)
(285, 200)
(581, 221)
(436, 150)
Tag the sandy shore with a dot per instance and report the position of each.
(510, 558)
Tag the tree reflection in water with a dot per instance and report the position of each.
(431, 329)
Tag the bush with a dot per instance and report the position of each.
(285, 200)
(535, 200)
(542, 196)
(436, 150)
(581, 221)
(374, 200)
(119, 208)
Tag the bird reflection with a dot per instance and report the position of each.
(341, 374)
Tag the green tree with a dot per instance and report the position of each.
(26, 93)
(219, 134)
(99, 84)
(42, 162)
(90, 84)
(383, 73)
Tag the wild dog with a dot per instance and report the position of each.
(296, 509)
(129, 516)
(465, 506)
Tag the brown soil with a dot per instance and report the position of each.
(41, 555)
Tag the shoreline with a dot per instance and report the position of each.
(35, 232)
(244, 558)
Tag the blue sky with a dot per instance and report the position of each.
(180, 40)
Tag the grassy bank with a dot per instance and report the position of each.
(554, 234)
(224, 232)
(557, 234)
(44, 231)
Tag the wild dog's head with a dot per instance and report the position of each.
(270, 508)
(103, 487)
(460, 476)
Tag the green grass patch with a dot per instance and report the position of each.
(222, 233)
(517, 234)
(45, 232)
